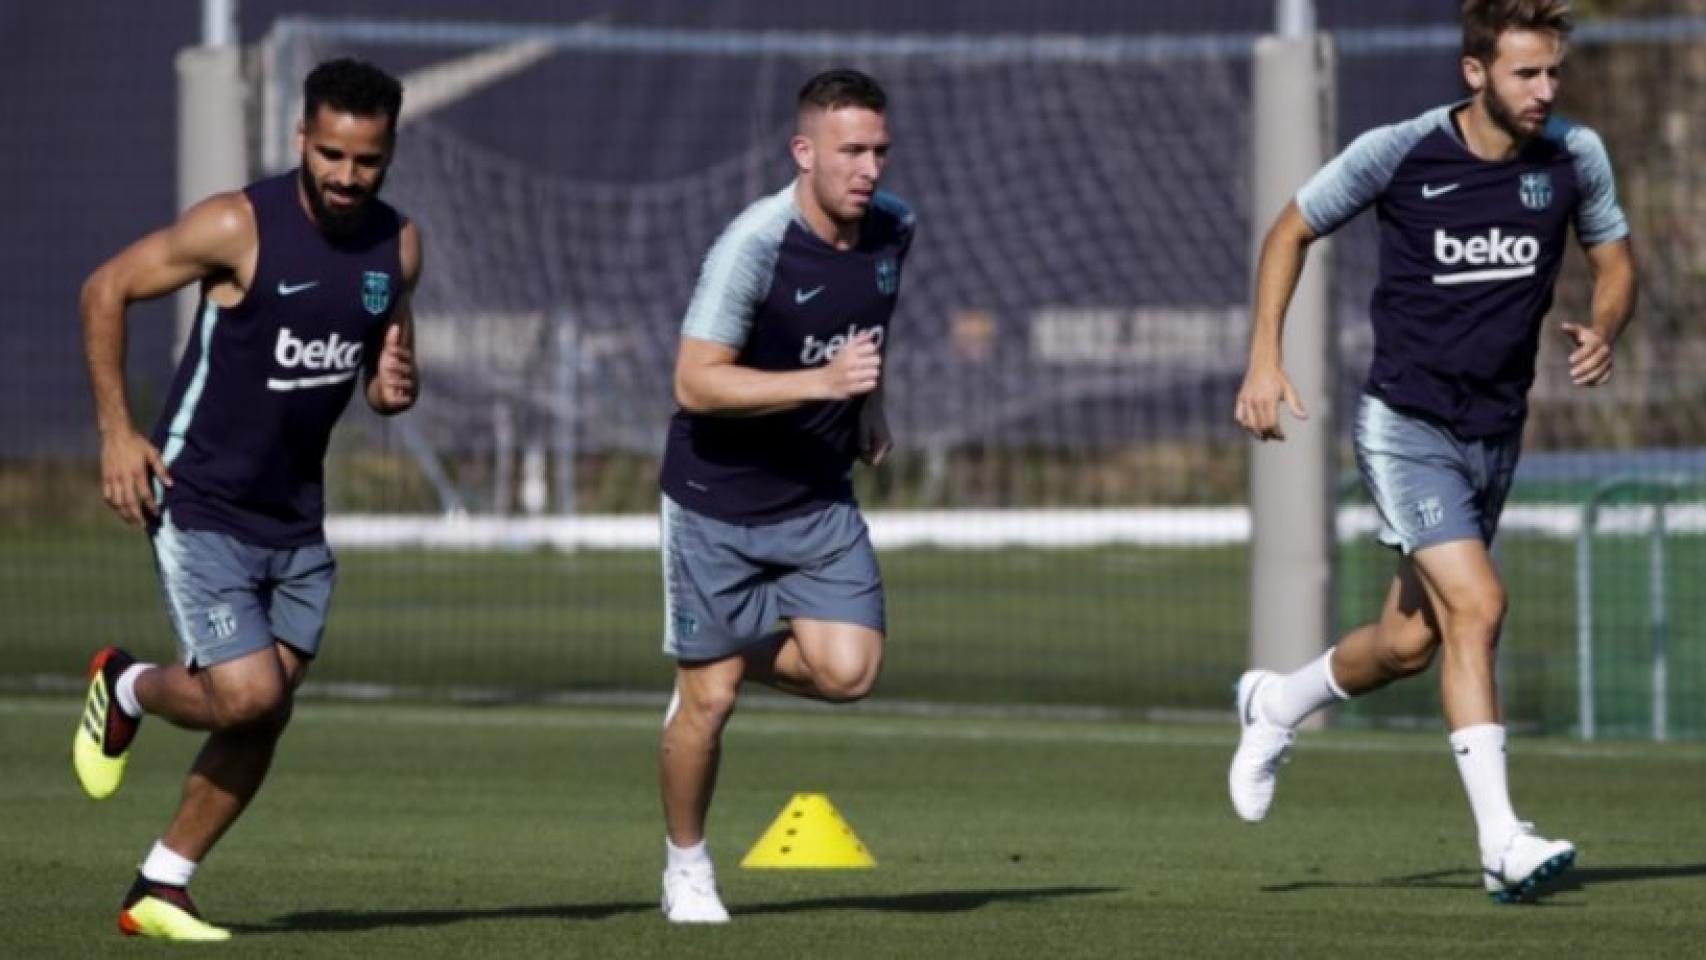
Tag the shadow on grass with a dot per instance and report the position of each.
(943, 901)
(323, 921)
(935, 901)
(1581, 878)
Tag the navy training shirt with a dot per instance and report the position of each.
(260, 384)
(1469, 254)
(787, 300)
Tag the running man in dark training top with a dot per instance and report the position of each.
(769, 574)
(1475, 202)
(305, 281)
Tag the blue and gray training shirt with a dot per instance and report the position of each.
(1469, 254)
(775, 291)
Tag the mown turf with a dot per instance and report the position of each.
(513, 832)
(1127, 628)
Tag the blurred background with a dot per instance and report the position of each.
(1065, 523)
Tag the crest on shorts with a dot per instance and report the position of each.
(888, 276)
(1536, 190)
(686, 625)
(1429, 513)
(221, 621)
(375, 291)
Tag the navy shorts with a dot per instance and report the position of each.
(727, 586)
(228, 599)
(1430, 485)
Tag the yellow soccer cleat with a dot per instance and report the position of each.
(104, 731)
(164, 912)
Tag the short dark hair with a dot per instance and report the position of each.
(353, 87)
(1484, 21)
(842, 87)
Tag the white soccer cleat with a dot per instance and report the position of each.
(1525, 865)
(690, 895)
(1262, 747)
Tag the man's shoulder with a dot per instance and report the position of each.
(1402, 138)
(895, 210)
(1571, 137)
(761, 225)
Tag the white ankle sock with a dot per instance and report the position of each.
(1296, 695)
(125, 690)
(1480, 752)
(687, 856)
(164, 866)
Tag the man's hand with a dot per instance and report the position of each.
(1265, 387)
(394, 376)
(129, 463)
(1590, 361)
(855, 370)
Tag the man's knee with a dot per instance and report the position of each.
(259, 708)
(1475, 617)
(708, 706)
(845, 682)
(1405, 645)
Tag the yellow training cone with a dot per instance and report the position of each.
(809, 833)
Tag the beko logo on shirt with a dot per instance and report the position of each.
(1507, 256)
(333, 353)
(814, 351)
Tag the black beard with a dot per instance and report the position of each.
(335, 223)
(1503, 118)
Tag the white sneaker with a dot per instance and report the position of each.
(690, 895)
(1262, 747)
(1526, 863)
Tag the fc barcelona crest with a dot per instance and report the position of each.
(888, 276)
(375, 291)
(1537, 190)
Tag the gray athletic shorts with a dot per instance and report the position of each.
(1430, 485)
(227, 598)
(727, 586)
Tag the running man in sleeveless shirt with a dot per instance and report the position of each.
(769, 574)
(305, 281)
(1475, 202)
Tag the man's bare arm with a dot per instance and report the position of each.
(1266, 386)
(1613, 266)
(215, 236)
(708, 380)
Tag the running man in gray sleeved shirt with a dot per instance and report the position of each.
(1475, 201)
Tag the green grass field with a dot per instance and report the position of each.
(448, 831)
(1123, 628)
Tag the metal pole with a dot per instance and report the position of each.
(1584, 618)
(1294, 18)
(1292, 503)
(218, 23)
(212, 126)
(1658, 621)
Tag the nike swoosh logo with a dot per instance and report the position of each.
(1461, 751)
(801, 296)
(286, 289)
(1430, 191)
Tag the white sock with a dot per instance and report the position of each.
(164, 866)
(680, 857)
(1291, 698)
(1480, 751)
(125, 691)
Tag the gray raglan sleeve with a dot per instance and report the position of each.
(733, 280)
(1599, 219)
(1351, 181)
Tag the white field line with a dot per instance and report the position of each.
(961, 529)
